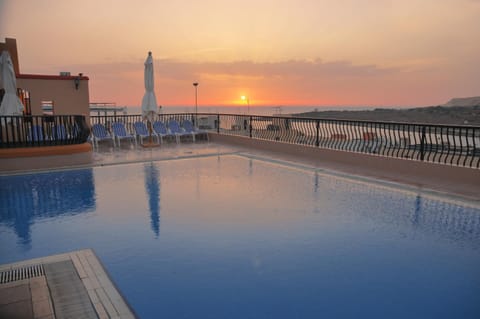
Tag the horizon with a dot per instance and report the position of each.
(324, 53)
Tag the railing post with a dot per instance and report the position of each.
(218, 123)
(317, 142)
(250, 126)
(422, 144)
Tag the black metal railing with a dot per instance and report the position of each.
(27, 131)
(445, 144)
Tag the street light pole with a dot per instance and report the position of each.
(195, 84)
(247, 99)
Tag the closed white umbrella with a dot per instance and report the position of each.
(11, 104)
(149, 101)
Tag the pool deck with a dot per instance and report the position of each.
(442, 180)
(70, 285)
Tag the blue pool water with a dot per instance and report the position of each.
(234, 237)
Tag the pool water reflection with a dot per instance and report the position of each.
(235, 237)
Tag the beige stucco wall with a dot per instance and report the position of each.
(67, 100)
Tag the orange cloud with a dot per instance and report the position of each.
(292, 82)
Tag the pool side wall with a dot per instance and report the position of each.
(30, 158)
(451, 179)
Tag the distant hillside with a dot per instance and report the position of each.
(465, 101)
(454, 115)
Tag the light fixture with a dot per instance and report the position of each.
(76, 81)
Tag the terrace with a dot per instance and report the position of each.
(428, 160)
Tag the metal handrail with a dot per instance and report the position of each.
(43, 130)
(437, 143)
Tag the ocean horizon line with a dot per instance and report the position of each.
(257, 110)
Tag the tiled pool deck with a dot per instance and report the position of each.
(71, 285)
(80, 274)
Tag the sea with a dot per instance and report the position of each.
(253, 110)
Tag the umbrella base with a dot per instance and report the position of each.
(150, 145)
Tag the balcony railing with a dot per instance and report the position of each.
(445, 144)
(51, 130)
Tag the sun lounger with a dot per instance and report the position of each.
(142, 132)
(189, 128)
(177, 130)
(120, 133)
(100, 133)
(161, 130)
(59, 132)
(35, 134)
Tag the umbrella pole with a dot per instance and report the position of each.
(150, 137)
(150, 131)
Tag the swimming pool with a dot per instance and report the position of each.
(234, 236)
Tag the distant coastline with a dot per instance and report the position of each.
(458, 111)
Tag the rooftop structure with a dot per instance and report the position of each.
(67, 94)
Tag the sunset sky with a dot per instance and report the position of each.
(276, 52)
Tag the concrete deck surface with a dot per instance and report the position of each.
(73, 285)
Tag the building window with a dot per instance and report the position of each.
(48, 107)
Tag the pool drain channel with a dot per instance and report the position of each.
(21, 273)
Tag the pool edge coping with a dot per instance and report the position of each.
(104, 295)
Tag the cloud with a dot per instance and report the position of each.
(109, 76)
(180, 70)
(298, 82)
(284, 69)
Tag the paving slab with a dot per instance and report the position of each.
(74, 285)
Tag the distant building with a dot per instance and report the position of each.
(62, 94)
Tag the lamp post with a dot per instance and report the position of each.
(247, 122)
(245, 98)
(195, 84)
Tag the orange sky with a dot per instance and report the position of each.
(276, 52)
